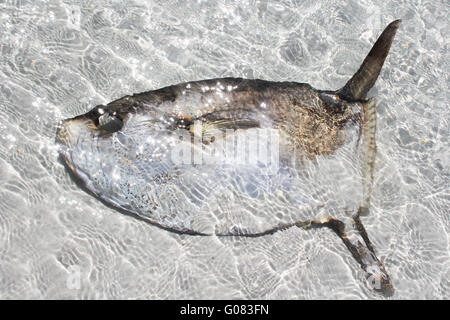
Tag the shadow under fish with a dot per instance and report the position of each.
(238, 157)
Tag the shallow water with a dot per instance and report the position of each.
(58, 59)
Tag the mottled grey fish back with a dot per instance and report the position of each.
(363, 80)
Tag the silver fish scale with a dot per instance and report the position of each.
(134, 170)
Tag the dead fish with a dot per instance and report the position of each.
(238, 157)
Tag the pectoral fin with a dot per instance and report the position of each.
(210, 130)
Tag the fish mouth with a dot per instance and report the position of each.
(69, 130)
(68, 134)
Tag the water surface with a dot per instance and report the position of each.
(60, 58)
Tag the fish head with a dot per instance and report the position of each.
(86, 142)
(101, 120)
(117, 153)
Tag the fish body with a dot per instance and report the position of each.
(238, 157)
(158, 152)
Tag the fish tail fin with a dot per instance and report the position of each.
(364, 79)
(368, 152)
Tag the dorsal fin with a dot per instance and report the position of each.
(364, 79)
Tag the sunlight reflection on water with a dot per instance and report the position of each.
(60, 59)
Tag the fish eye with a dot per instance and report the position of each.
(109, 122)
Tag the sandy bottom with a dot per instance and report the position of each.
(59, 59)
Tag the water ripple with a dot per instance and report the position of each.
(58, 59)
